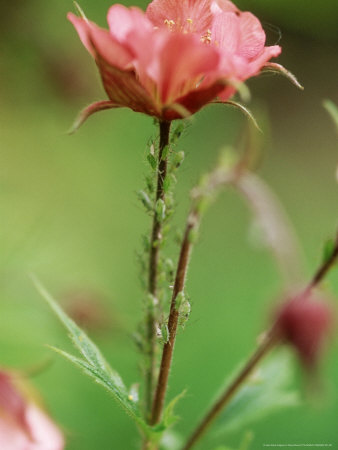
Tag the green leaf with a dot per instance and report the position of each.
(93, 364)
(169, 418)
(266, 391)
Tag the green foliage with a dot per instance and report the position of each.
(169, 418)
(268, 390)
(93, 364)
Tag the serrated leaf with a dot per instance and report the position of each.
(93, 364)
(98, 375)
(266, 391)
(78, 336)
(169, 418)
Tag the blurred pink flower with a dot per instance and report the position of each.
(176, 57)
(305, 322)
(23, 425)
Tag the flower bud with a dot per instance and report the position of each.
(305, 322)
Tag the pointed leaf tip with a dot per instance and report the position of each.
(93, 362)
(88, 111)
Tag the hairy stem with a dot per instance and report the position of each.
(269, 341)
(325, 267)
(172, 327)
(215, 179)
(153, 267)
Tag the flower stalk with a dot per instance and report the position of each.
(270, 339)
(201, 196)
(268, 342)
(156, 235)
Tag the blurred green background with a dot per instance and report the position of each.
(69, 214)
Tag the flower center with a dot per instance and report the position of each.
(187, 26)
(206, 37)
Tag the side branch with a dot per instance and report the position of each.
(271, 338)
(200, 196)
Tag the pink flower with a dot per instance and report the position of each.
(23, 425)
(305, 323)
(176, 57)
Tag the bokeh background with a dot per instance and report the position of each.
(69, 214)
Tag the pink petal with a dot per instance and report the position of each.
(23, 426)
(252, 36)
(123, 20)
(187, 15)
(256, 65)
(225, 32)
(46, 436)
(100, 41)
(218, 6)
(179, 59)
(12, 402)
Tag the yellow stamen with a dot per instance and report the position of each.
(206, 38)
(170, 23)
